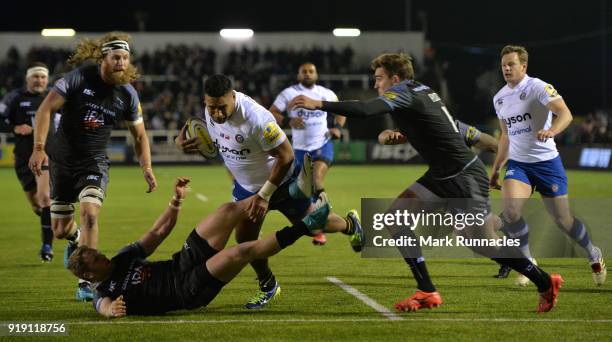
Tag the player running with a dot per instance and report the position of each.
(454, 171)
(18, 109)
(309, 131)
(93, 99)
(531, 113)
(256, 151)
(128, 284)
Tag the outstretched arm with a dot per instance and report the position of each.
(370, 107)
(167, 220)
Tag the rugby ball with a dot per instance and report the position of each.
(196, 127)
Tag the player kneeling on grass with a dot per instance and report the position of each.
(129, 284)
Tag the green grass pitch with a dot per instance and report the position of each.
(476, 306)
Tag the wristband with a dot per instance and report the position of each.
(39, 146)
(267, 190)
(175, 207)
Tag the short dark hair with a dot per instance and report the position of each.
(38, 64)
(217, 85)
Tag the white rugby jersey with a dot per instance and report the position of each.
(244, 141)
(523, 110)
(314, 135)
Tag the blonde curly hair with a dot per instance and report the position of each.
(91, 49)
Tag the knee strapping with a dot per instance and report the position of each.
(61, 209)
(92, 194)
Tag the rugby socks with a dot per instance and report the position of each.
(267, 283)
(525, 267)
(581, 236)
(350, 228)
(45, 226)
(518, 230)
(289, 235)
(419, 270)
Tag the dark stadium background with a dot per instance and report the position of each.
(569, 40)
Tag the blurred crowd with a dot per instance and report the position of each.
(171, 87)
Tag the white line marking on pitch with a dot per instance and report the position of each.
(344, 320)
(201, 197)
(365, 299)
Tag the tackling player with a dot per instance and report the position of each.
(94, 98)
(128, 284)
(454, 171)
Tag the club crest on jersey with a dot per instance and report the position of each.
(239, 138)
(522, 96)
(271, 133)
(500, 102)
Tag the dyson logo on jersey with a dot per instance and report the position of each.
(309, 114)
(225, 149)
(517, 118)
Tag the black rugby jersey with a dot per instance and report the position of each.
(18, 108)
(147, 287)
(91, 110)
(420, 114)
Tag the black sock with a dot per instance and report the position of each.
(419, 270)
(350, 228)
(45, 226)
(288, 235)
(267, 283)
(525, 267)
